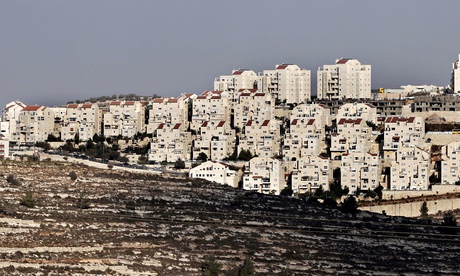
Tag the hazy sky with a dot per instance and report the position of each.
(55, 51)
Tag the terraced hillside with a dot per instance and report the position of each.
(108, 222)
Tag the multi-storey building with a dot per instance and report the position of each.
(170, 142)
(265, 175)
(455, 81)
(352, 135)
(124, 118)
(4, 147)
(320, 112)
(216, 172)
(239, 79)
(400, 131)
(261, 138)
(252, 105)
(167, 111)
(34, 125)
(436, 103)
(215, 139)
(82, 119)
(450, 164)
(10, 118)
(410, 168)
(304, 138)
(288, 82)
(360, 170)
(347, 78)
(311, 172)
(210, 106)
(365, 111)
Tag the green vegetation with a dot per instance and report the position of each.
(28, 200)
(245, 155)
(73, 175)
(424, 210)
(179, 164)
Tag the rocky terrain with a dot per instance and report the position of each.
(89, 221)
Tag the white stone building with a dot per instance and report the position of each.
(346, 79)
(169, 143)
(4, 147)
(10, 118)
(400, 131)
(82, 119)
(288, 82)
(35, 123)
(352, 135)
(366, 111)
(261, 138)
(215, 139)
(321, 113)
(304, 138)
(360, 170)
(410, 170)
(124, 118)
(450, 164)
(265, 175)
(252, 105)
(216, 172)
(311, 172)
(455, 81)
(210, 106)
(239, 79)
(167, 111)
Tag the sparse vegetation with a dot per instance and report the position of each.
(28, 200)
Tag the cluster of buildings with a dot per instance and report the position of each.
(346, 131)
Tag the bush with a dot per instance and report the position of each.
(73, 175)
(12, 180)
(28, 200)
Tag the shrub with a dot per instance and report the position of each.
(73, 175)
(28, 200)
(12, 180)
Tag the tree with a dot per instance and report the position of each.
(350, 205)
(336, 190)
(424, 210)
(179, 164)
(210, 267)
(142, 159)
(245, 155)
(287, 191)
(76, 139)
(73, 175)
(379, 192)
(203, 157)
(319, 192)
(247, 269)
(82, 202)
(450, 223)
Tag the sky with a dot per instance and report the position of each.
(52, 52)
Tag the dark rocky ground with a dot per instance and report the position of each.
(141, 224)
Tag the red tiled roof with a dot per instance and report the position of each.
(259, 95)
(282, 66)
(158, 100)
(399, 119)
(115, 103)
(172, 100)
(161, 126)
(342, 61)
(249, 123)
(294, 122)
(245, 94)
(87, 106)
(396, 137)
(202, 97)
(205, 124)
(349, 121)
(221, 124)
(265, 123)
(310, 122)
(216, 97)
(72, 106)
(176, 126)
(238, 72)
(129, 103)
(32, 108)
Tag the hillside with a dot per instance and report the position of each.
(110, 222)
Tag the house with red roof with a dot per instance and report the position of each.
(311, 172)
(261, 138)
(239, 79)
(264, 175)
(125, 118)
(215, 139)
(170, 142)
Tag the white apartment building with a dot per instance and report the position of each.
(210, 106)
(170, 142)
(261, 138)
(265, 175)
(239, 79)
(215, 172)
(4, 147)
(321, 113)
(455, 80)
(252, 105)
(82, 119)
(410, 170)
(450, 164)
(305, 138)
(288, 82)
(167, 111)
(124, 118)
(311, 172)
(10, 118)
(360, 170)
(35, 123)
(215, 139)
(400, 131)
(367, 112)
(346, 79)
(352, 135)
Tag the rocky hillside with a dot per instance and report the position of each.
(88, 221)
